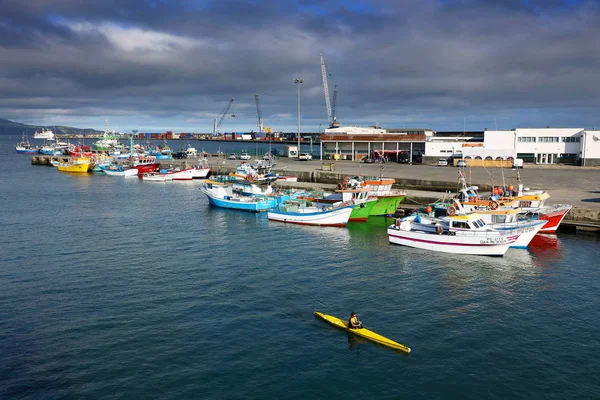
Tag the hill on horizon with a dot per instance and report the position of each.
(8, 127)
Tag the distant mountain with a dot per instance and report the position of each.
(8, 127)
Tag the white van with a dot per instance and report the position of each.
(518, 163)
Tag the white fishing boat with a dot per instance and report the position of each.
(505, 220)
(303, 213)
(459, 234)
(119, 171)
(155, 177)
(177, 174)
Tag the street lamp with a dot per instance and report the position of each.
(298, 82)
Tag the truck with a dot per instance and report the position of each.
(518, 163)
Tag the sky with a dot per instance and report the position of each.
(158, 65)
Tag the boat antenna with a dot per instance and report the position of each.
(491, 177)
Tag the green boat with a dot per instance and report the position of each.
(387, 204)
(361, 211)
(388, 199)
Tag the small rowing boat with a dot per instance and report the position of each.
(362, 332)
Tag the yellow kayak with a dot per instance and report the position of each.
(363, 332)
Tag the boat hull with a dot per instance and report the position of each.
(26, 151)
(75, 168)
(123, 173)
(334, 217)
(553, 218)
(201, 173)
(361, 211)
(363, 332)
(526, 232)
(242, 204)
(455, 244)
(386, 205)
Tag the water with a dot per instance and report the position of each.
(118, 288)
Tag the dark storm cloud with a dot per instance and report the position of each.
(430, 63)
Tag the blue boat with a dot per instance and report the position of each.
(241, 195)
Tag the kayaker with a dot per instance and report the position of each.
(353, 322)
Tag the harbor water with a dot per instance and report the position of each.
(119, 288)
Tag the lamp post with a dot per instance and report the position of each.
(298, 82)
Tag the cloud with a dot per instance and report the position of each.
(174, 65)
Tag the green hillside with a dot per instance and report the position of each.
(12, 128)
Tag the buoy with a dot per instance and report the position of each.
(493, 205)
(451, 211)
(428, 210)
(510, 187)
(439, 229)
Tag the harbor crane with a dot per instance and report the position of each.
(333, 103)
(330, 114)
(219, 121)
(258, 114)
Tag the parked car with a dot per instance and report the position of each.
(268, 157)
(305, 156)
(518, 163)
(368, 160)
(442, 162)
(232, 156)
(245, 156)
(461, 163)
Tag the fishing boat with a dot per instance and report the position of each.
(531, 203)
(25, 147)
(177, 174)
(80, 165)
(459, 234)
(388, 199)
(144, 164)
(241, 196)
(306, 213)
(119, 170)
(505, 220)
(359, 196)
(202, 170)
(155, 177)
(362, 332)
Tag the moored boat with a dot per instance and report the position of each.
(25, 147)
(119, 170)
(244, 195)
(363, 204)
(459, 234)
(79, 165)
(155, 177)
(388, 199)
(531, 203)
(301, 213)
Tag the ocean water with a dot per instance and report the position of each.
(118, 288)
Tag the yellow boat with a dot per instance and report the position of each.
(362, 332)
(80, 165)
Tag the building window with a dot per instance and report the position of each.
(549, 139)
(526, 139)
(571, 139)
